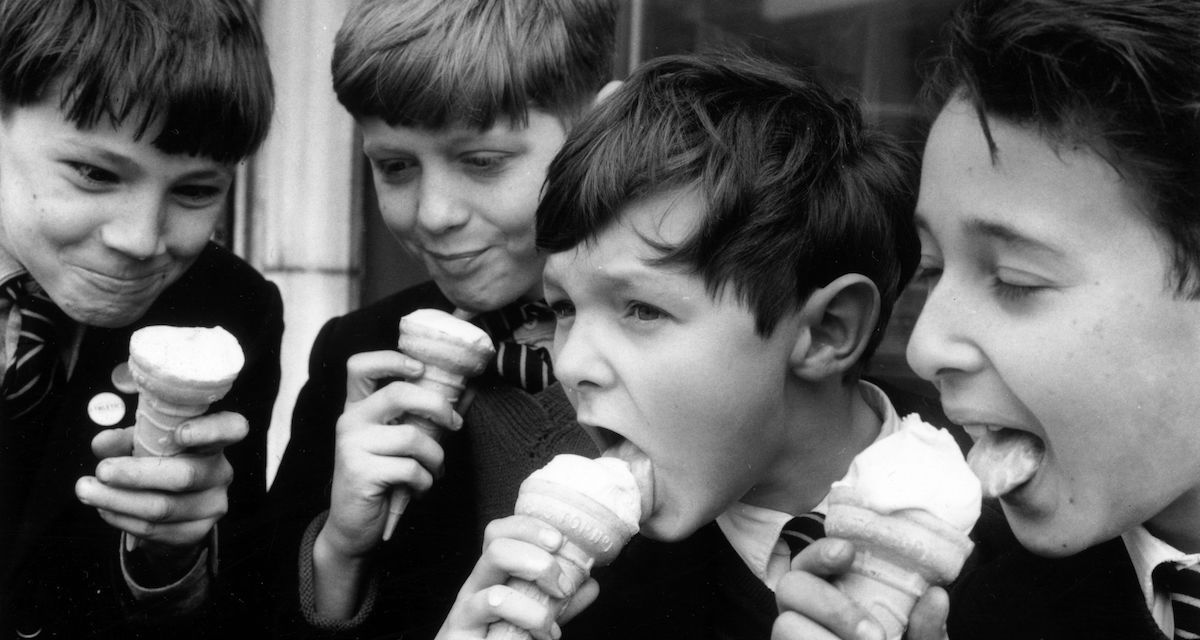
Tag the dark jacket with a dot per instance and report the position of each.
(59, 567)
(1011, 594)
(507, 434)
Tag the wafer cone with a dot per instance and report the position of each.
(179, 372)
(897, 556)
(452, 350)
(593, 536)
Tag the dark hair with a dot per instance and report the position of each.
(431, 63)
(798, 191)
(1119, 76)
(199, 68)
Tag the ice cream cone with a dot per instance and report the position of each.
(898, 555)
(179, 372)
(595, 523)
(452, 350)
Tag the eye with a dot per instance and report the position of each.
(927, 275)
(485, 163)
(92, 174)
(394, 169)
(199, 195)
(645, 312)
(1016, 284)
(562, 309)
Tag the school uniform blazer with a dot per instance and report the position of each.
(1012, 594)
(507, 434)
(59, 568)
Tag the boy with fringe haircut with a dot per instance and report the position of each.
(461, 106)
(1059, 214)
(120, 127)
(727, 241)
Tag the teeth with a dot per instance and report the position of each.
(977, 431)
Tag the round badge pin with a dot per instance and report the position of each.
(106, 409)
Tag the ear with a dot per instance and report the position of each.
(838, 322)
(606, 91)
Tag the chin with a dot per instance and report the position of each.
(107, 318)
(1044, 540)
(667, 529)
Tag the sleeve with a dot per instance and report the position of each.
(307, 588)
(186, 594)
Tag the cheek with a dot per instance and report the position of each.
(396, 207)
(48, 218)
(514, 214)
(187, 233)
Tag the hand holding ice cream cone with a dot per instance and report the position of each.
(907, 503)
(452, 350)
(595, 504)
(179, 372)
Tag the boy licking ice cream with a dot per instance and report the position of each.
(726, 241)
(1059, 230)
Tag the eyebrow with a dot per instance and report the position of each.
(1012, 237)
(1005, 234)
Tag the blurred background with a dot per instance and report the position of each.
(304, 212)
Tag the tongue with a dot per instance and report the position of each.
(639, 465)
(1004, 459)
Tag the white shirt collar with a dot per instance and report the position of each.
(1147, 552)
(754, 531)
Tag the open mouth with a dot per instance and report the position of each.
(614, 445)
(1004, 459)
(605, 439)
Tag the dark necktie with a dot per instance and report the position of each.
(1183, 585)
(801, 531)
(36, 366)
(522, 365)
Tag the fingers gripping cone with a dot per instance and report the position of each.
(452, 350)
(595, 504)
(179, 372)
(897, 556)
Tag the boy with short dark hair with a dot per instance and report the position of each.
(726, 243)
(461, 106)
(120, 127)
(1059, 225)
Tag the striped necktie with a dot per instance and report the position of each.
(1183, 585)
(35, 367)
(522, 365)
(803, 530)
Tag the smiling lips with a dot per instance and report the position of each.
(1004, 459)
(122, 286)
(459, 262)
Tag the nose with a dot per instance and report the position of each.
(441, 204)
(941, 342)
(137, 231)
(578, 363)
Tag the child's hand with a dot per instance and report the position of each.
(373, 455)
(516, 547)
(812, 608)
(170, 503)
(365, 372)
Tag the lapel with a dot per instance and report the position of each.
(55, 445)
